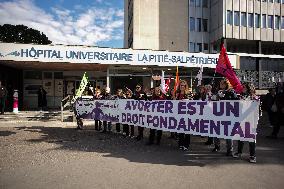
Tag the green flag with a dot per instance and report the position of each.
(82, 87)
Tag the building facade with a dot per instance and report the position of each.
(253, 29)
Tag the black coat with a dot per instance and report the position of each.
(42, 102)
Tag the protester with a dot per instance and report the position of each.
(269, 105)
(201, 94)
(248, 93)
(139, 95)
(277, 113)
(98, 96)
(128, 95)
(42, 102)
(119, 95)
(226, 92)
(208, 97)
(106, 96)
(181, 94)
(3, 96)
(158, 95)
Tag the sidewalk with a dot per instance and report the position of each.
(48, 118)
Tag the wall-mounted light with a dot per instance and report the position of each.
(144, 68)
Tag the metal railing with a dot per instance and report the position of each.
(66, 102)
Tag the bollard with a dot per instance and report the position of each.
(16, 101)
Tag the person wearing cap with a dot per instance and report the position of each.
(139, 95)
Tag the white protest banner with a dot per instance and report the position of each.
(236, 120)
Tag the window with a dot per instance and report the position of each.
(282, 22)
(236, 18)
(264, 0)
(198, 24)
(244, 19)
(282, 1)
(33, 75)
(271, 1)
(192, 3)
(270, 21)
(205, 46)
(230, 17)
(257, 20)
(192, 24)
(277, 22)
(47, 75)
(205, 3)
(264, 21)
(58, 75)
(277, 1)
(198, 47)
(250, 20)
(205, 25)
(198, 3)
(191, 47)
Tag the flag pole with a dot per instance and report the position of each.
(221, 44)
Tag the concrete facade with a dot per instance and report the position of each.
(155, 24)
(199, 25)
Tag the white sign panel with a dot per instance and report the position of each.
(84, 54)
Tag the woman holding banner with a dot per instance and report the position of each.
(182, 93)
(128, 95)
(226, 92)
(158, 95)
(98, 96)
(247, 94)
(139, 95)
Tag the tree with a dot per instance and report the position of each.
(22, 34)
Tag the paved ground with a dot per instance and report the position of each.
(45, 153)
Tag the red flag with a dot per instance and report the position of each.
(224, 68)
(167, 85)
(176, 82)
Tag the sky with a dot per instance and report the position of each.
(70, 22)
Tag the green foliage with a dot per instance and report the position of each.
(22, 34)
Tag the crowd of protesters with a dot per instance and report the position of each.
(273, 103)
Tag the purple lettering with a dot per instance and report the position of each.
(201, 105)
(168, 107)
(191, 109)
(237, 130)
(247, 131)
(181, 124)
(161, 107)
(226, 125)
(193, 126)
(215, 108)
(163, 122)
(204, 126)
(172, 123)
(181, 107)
(214, 127)
(134, 118)
(156, 121)
(233, 108)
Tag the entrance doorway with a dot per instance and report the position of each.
(121, 82)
